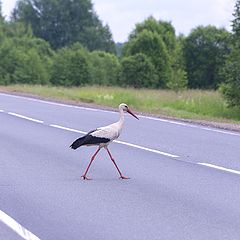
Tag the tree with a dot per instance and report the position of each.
(64, 22)
(157, 40)
(22, 63)
(70, 67)
(162, 28)
(236, 21)
(23, 58)
(152, 45)
(104, 68)
(205, 52)
(138, 71)
(178, 80)
(1, 23)
(1, 16)
(231, 87)
(119, 49)
(231, 71)
(17, 30)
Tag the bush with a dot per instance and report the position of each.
(138, 71)
(205, 51)
(152, 45)
(70, 67)
(105, 68)
(178, 80)
(22, 64)
(231, 72)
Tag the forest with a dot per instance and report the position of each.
(64, 43)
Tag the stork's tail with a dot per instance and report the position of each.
(78, 143)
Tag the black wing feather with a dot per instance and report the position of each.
(88, 139)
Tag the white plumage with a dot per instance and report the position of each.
(103, 136)
(111, 132)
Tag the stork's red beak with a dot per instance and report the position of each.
(130, 112)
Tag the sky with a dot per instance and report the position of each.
(122, 15)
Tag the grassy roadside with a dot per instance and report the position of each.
(189, 104)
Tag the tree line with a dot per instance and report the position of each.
(63, 42)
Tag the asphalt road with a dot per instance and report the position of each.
(185, 179)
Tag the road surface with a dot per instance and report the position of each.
(185, 179)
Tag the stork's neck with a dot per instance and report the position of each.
(121, 119)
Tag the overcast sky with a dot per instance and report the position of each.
(122, 15)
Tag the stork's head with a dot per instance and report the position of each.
(125, 108)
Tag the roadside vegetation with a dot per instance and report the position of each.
(48, 48)
(190, 104)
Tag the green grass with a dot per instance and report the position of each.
(190, 104)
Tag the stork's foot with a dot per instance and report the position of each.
(123, 177)
(85, 177)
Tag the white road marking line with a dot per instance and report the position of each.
(24, 117)
(1, 110)
(147, 149)
(220, 131)
(165, 120)
(192, 126)
(82, 132)
(120, 142)
(57, 104)
(67, 129)
(16, 227)
(220, 168)
(108, 111)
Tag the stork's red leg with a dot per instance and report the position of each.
(110, 155)
(94, 155)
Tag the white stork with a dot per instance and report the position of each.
(102, 137)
